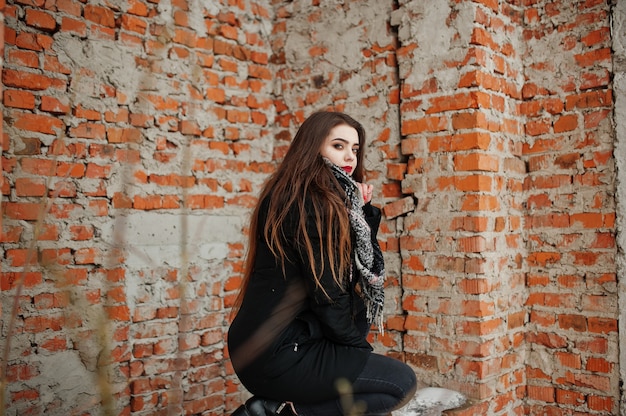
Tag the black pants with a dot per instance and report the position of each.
(385, 384)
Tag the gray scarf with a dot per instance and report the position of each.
(367, 253)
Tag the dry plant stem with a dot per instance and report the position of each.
(46, 204)
(104, 387)
(349, 406)
(184, 273)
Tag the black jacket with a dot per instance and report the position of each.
(289, 341)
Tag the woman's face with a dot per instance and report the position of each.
(341, 147)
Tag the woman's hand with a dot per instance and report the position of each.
(366, 191)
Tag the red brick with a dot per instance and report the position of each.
(55, 344)
(598, 365)
(100, 15)
(400, 207)
(593, 57)
(70, 170)
(424, 125)
(461, 101)
(38, 324)
(134, 24)
(541, 393)
(602, 325)
(480, 203)
(474, 328)
(123, 135)
(396, 170)
(40, 19)
(118, 313)
(601, 403)
(138, 8)
(258, 71)
(474, 244)
(569, 397)
(22, 210)
(88, 131)
(38, 123)
(54, 105)
(21, 372)
(566, 123)
(537, 127)
(466, 159)
(19, 99)
(30, 187)
(469, 120)
(27, 395)
(81, 232)
(29, 80)
(70, 25)
(23, 58)
(87, 113)
(592, 99)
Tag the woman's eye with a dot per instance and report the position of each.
(356, 151)
(338, 146)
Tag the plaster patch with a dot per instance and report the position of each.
(296, 49)
(432, 401)
(438, 41)
(159, 238)
(542, 359)
(63, 376)
(196, 15)
(339, 39)
(108, 63)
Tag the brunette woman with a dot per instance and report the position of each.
(314, 285)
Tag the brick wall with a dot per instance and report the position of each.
(511, 296)
(618, 17)
(571, 209)
(136, 136)
(148, 127)
(463, 277)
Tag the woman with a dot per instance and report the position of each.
(314, 285)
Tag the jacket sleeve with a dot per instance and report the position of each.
(372, 216)
(334, 308)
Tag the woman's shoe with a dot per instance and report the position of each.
(256, 406)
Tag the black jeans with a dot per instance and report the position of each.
(385, 384)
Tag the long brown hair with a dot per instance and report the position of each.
(303, 175)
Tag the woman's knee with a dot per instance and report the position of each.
(391, 371)
(409, 380)
(410, 388)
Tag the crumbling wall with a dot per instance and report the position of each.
(572, 333)
(137, 134)
(464, 275)
(618, 29)
(511, 295)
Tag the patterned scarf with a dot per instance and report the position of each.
(367, 253)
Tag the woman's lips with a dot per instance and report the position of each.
(348, 169)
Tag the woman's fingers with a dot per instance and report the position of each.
(366, 191)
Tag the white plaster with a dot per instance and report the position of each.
(160, 238)
(619, 85)
(155, 241)
(63, 376)
(432, 401)
(438, 41)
